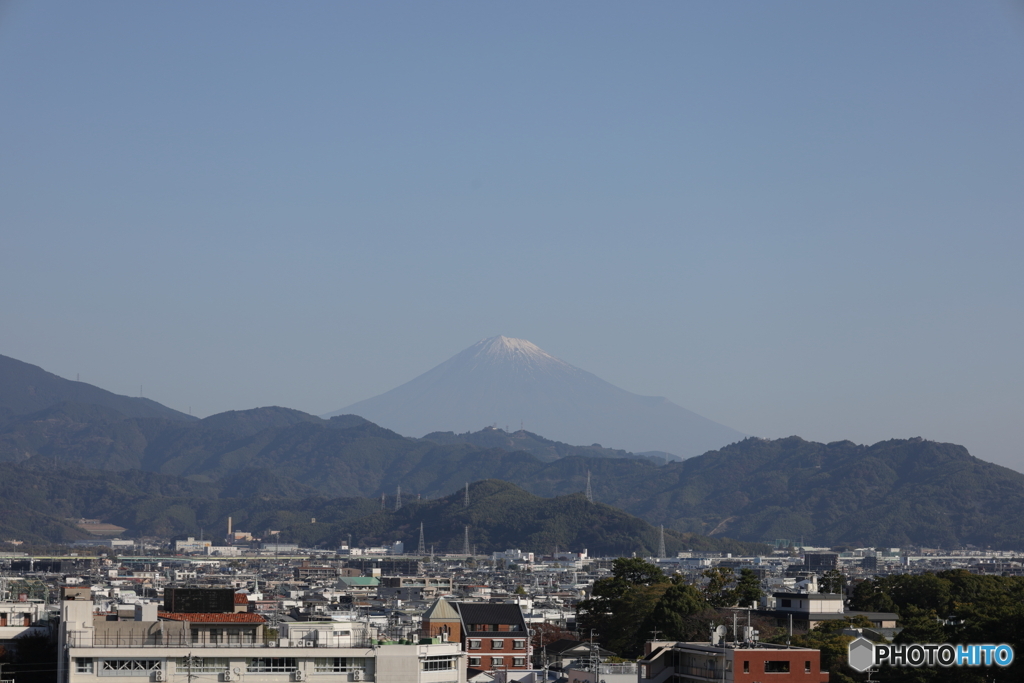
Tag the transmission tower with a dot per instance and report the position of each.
(465, 543)
(590, 494)
(467, 495)
(661, 542)
(422, 550)
(398, 499)
(382, 504)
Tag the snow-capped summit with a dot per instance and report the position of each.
(508, 381)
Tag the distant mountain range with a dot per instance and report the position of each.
(503, 381)
(277, 467)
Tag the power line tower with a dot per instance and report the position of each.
(398, 499)
(382, 504)
(661, 542)
(590, 493)
(465, 542)
(466, 503)
(422, 550)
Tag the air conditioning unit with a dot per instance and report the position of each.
(158, 676)
(357, 675)
(227, 677)
(300, 675)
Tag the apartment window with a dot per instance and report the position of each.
(787, 603)
(519, 661)
(438, 663)
(215, 635)
(474, 643)
(272, 665)
(474, 661)
(746, 666)
(807, 667)
(129, 667)
(497, 644)
(83, 665)
(497, 661)
(776, 667)
(338, 665)
(518, 644)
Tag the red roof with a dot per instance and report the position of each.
(241, 599)
(213, 617)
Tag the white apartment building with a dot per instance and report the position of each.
(233, 647)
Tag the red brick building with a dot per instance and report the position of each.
(493, 635)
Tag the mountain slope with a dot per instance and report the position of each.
(507, 381)
(545, 450)
(26, 388)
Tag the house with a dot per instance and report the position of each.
(494, 635)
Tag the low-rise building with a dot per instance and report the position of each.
(748, 663)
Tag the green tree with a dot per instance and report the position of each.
(620, 606)
(681, 613)
(717, 590)
(748, 588)
(832, 581)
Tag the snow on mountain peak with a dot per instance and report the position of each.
(512, 348)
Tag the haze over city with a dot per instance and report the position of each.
(793, 218)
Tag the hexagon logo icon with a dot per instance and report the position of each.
(862, 654)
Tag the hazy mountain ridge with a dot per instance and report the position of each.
(26, 388)
(545, 450)
(507, 381)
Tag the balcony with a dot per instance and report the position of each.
(84, 639)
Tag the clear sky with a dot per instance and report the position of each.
(792, 218)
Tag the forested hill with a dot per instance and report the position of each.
(26, 388)
(545, 450)
(39, 503)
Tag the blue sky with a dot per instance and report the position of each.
(792, 218)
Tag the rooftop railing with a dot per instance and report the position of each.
(82, 639)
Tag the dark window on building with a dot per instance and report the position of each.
(776, 667)
(746, 666)
(807, 667)
(787, 603)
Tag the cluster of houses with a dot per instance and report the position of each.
(390, 618)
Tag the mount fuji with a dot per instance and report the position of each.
(511, 381)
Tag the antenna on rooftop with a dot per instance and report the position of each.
(422, 550)
(661, 542)
(398, 499)
(590, 493)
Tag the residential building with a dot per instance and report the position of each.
(178, 647)
(494, 635)
(747, 663)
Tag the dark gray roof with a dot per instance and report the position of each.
(490, 613)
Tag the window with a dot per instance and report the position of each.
(215, 635)
(518, 644)
(203, 665)
(497, 644)
(519, 661)
(787, 603)
(438, 663)
(338, 665)
(474, 644)
(807, 667)
(474, 661)
(746, 666)
(776, 667)
(497, 661)
(83, 665)
(129, 667)
(272, 665)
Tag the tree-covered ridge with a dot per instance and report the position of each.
(543, 449)
(38, 498)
